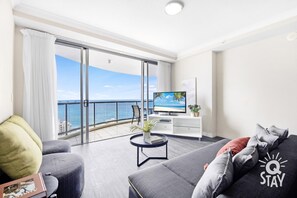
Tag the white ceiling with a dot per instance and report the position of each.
(200, 23)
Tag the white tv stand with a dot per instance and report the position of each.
(177, 125)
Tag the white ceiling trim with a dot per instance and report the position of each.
(282, 24)
(25, 13)
(38, 19)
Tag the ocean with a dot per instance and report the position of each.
(104, 111)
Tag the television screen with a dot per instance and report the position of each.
(174, 102)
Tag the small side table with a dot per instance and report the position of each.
(51, 184)
(138, 141)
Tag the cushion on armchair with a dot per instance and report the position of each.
(20, 156)
(56, 146)
(22, 123)
(47, 147)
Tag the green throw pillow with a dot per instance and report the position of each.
(19, 154)
(22, 123)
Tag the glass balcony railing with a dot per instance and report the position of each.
(100, 112)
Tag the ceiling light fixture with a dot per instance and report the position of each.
(174, 7)
(292, 36)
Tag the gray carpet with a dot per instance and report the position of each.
(108, 163)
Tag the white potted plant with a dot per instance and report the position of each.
(146, 129)
(195, 110)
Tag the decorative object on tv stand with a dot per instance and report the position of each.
(195, 110)
(146, 129)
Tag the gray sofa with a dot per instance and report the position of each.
(67, 167)
(178, 177)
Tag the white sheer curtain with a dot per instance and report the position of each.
(39, 65)
(164, 76)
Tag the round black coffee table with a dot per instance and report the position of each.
(138, 141)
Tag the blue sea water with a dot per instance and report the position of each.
(103, 111)
(171, 106)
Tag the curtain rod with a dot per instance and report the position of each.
(73, 44)
(78, 45)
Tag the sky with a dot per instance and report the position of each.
(103, 84)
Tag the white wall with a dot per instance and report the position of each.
(257, 83)
(6, 59)
(201, 66)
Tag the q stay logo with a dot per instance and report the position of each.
(272, 176)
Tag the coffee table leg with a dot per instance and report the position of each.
(137, 156)
(166, 151)
(149, 158)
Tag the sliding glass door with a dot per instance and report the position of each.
(114, 86)
(96, 92)
(70, 63)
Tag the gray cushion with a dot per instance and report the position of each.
(264, 136)
(281, 133)
(217, 177)
(159, 182)
(249, 185)
(56, 146)
(68, 168)
(261, 146)
(245, 160)
(190, 166)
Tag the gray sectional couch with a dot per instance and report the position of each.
(178, 177)
(58, 161)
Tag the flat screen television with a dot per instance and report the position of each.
(170, 102)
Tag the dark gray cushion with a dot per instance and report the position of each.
(261, 146)
(190, 165)
(281, 133)
(249, 185)
(217, 177)
(159, 182)
(68, 168)
(245, 160)
(55, 146)
(264, 136)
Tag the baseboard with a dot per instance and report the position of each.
(211, 135)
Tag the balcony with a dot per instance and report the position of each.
(107, 119)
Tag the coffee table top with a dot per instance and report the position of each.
(137, 140)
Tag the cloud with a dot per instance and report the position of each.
(99, 96)
(68, 95)
(107, 86)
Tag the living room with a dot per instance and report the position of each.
(242, 60)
